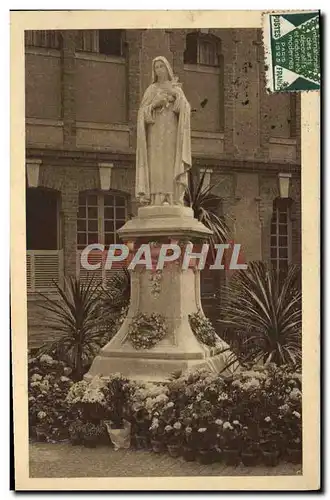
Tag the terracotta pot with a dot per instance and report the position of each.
(157, 446)
(174, 450)
(141, 442)
(76, 440)
(231, 457)
(188, 454)
(218, 455)
(249, 458)
(270, 458)
(206, 457)
(294, 455)
(90, 442)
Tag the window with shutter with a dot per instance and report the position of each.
(43, 38)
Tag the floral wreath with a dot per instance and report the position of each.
(203, 329)
(146, 330)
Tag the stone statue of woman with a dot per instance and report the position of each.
(163, 155)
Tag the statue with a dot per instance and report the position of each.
(163, 155)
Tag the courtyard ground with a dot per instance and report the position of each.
(65, 460)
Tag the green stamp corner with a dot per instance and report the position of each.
(295, 51)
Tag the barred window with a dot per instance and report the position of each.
(100, 215)
(281, 236)
(108, 42)
(202, 49)
(43, 38)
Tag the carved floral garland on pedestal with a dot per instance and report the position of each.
(146, 330)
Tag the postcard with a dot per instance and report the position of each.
(165, 229)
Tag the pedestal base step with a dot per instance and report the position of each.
(154, 370)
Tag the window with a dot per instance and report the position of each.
(43, 38)
(99, 218)
(281, 236)
(202, 49)
(108, 42)
(111, 42)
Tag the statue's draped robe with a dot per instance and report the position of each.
(163, 154)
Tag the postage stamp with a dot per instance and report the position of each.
(292, 51)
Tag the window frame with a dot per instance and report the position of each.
(198, 39)
(278, 209)
(101, 232)
(92, 45)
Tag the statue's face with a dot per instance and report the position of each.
(161, 71)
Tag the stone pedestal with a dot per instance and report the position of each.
(172, 292)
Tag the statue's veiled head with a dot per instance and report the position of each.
(161, 70)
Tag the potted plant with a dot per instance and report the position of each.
(250, 446)
(174, 438)
(140, 428)
(189, 450)
(206, 441)
(76, 432)
(117, 403)
(230, 443)
(270, 442)
(157, 435)
(90, 434)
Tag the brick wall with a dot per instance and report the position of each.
(249, 117)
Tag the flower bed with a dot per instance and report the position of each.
(252, 416)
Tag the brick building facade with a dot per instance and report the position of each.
(83, 89)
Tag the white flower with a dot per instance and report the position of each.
(46, 359)
(284, 408)
(223, 396)
(296, 414)
(35, 384)
(35, 377)
(177, 425)
(170, 404)
(227, 425)
(202, 429)
(64, 379)
(295, 394)
(218, 421)
(41, 415)
(67, 370)
(188, 430)
(168, 428)
(267, 419)
(236, 422)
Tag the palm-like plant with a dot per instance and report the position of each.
(269, 314)
(204, 202)
(76, 316)
(116, 293)
(115, 297)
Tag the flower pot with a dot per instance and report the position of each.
(294, 455)
(157, 446)
(218, 455)
(231, 457)
(270, 458)
(188, 454)
(174, 450)
(249, 459)
(206, 457)
(75, 440)
(41, 436)
(90, 443)
(120, 438)
(141, 442)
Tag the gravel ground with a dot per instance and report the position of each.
(65, 460)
